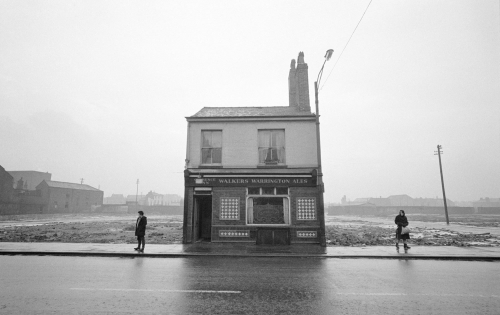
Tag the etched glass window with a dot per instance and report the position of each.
(266, 208)
(211, 147)
(306, 208)
(230, 208)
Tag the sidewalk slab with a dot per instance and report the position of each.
(250, 250)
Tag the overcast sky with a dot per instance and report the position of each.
(100, 89)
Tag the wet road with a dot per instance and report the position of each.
(215, 285)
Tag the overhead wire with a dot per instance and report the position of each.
(335, 64)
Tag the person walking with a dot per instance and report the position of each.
(140, 231)
(402, 221)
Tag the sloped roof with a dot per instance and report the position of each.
(55, 184)
(2, 170)
(396, 196)
(251, 171)
(250, 112)
(30, 172)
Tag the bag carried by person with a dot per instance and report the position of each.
(405, 230)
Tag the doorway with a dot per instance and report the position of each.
(203, 228)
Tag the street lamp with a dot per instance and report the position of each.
(321, 189)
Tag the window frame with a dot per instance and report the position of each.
(279, 150)
(211, 148)
(287, 215)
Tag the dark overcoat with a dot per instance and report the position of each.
(401, 221)
(140, 226)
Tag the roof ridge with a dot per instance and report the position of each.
(55, 182)
(244, 106)
(250, 111)
(58, 181)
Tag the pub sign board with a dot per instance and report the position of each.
(308, 181)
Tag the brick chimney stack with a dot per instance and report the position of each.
(298, 85)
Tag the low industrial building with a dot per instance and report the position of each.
(62, 197)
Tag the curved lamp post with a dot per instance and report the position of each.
(321, 189)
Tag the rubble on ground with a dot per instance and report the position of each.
(168, 230)
(93, 231)
(366, 235)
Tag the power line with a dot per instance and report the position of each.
(346, 44)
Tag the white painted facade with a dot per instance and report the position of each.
(240, 141)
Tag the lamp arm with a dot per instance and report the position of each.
(320, 74)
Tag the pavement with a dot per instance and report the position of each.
(251, 250)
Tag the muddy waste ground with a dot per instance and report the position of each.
(81, 228)
(427, 230)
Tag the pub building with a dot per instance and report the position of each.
(251, 172)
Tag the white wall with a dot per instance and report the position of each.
(240, 142)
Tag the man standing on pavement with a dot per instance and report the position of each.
(140, 231)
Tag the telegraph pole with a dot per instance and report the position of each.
(439, 147)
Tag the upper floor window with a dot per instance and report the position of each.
(211, 147)
(272, 146)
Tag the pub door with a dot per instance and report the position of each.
(204, 214)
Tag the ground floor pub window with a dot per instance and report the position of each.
(265, 206)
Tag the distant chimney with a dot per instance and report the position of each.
(298, 85)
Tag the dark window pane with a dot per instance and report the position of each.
(262, 155)
(282, 191)
(268, 190)
(217, 155)
(216, 139)
(253, 190)
(264, 138)
(281, 155)
(274, 134)
(206, 140)
(206, 156)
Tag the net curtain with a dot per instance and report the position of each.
(272, 146)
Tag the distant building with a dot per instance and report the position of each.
(432, 202)
(28, 180)
(115, 199)
(141, 199)
(463, 203)
(6, 185)
(65, 197)
(399, 201)
(155, 199)
(486, 203)
(380, 202)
